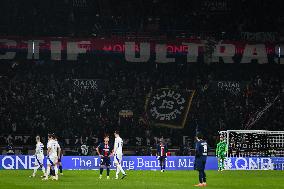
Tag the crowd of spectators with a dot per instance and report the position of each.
(41, 98)
(92, 18)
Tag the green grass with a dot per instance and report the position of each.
(18, 179)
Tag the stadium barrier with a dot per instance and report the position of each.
(148, 163)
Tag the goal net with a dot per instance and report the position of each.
(254, 143)
(255, 146)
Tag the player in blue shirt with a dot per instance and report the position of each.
(104, 151)
(162, 151)
(200, 159)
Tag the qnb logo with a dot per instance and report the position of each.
(167, 105)
(278, 166)
(253, 164)
(17, 162)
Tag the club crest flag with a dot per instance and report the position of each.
(169, 107)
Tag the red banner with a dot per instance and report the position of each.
(139, 50)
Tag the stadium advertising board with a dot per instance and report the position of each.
(141, 50)
(148, 163)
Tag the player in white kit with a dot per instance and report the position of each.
(39, 157)
(53, 149)
(117, 151)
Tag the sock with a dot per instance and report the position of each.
(164, 166)
(117, 171)
(107, 171)
(200, 176)
(55, 170)
(204, 176)
(35, 170)
(101, 170)
(220, 164)
(43, 169)
(120, 168)
(52, 173)
(47, 171)
(60, 168)
(223, 163)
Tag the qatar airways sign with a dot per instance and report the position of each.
(140, 50)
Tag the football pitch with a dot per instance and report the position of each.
(19, 179)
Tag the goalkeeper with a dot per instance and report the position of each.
(221, 151)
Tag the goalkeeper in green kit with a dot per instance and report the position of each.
(221, 151)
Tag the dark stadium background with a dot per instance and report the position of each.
(35, 97)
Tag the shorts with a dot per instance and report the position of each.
(105, 161)
(52, 160)
(199, 164)
(39, 160)
(162, 160)
(221, 156)
(117, 158)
